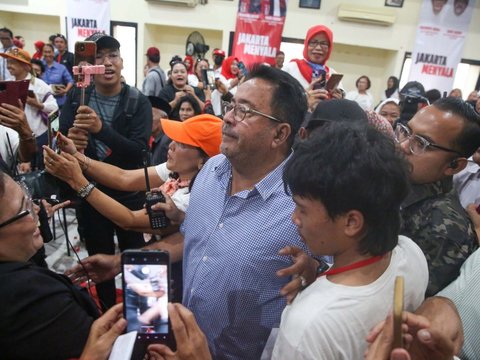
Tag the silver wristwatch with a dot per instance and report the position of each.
(85, 191)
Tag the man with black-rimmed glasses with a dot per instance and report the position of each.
(437, 142)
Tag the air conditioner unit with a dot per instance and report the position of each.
(366, 15)
(189, 3)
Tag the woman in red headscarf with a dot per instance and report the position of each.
(312, 69)
(230, 77)
(189, 62)
(39, 44)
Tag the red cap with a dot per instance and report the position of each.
(219, 52)
(203, 131)
(153, 51)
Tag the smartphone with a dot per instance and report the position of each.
(208, 76)
(11, 91)
(85, 52)
(243, 68)
(333, 82)
(397, 312)
(146, 293)
(57, 87)
(321, 84)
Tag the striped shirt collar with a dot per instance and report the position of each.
(265, 187)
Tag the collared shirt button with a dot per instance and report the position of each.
(220, 225)
(205, 258)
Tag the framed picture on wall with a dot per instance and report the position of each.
(309, 4)
(394, 3)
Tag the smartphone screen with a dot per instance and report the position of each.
(146, 279)
(320, 84)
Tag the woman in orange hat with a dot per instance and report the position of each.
(194, 141)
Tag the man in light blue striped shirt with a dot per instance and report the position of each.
(239, 218)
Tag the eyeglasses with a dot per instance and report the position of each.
(113, 57)
(417, 144)
(323, 44)
(241, 110)
(28, 210)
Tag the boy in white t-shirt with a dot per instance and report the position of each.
(348, 183)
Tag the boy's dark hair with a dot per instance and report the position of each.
(468, 141)
(353, 167)
(289, 103)
(433, 95)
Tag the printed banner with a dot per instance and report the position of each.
(258, 32)
(439, 43)
(85, 17)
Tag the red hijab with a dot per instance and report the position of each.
(191, 61)
(226, 67)
(303, 66)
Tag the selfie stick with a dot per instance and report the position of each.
(85, 74)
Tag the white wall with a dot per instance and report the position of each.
(359, 49)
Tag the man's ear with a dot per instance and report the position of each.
(282, 132)
(302, 133)
(455, 166)
(354, 223)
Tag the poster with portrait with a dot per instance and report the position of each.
(85, 17)
(439, 42)
(258, 31)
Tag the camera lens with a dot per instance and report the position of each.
(82, 47)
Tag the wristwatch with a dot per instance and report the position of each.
(85, 191)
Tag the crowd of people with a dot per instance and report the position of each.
(292, 206)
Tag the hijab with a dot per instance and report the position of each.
(226, 67)
(306, 67)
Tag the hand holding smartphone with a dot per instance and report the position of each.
(146, 280)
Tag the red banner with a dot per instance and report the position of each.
(258, 32)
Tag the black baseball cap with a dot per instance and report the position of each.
(104, 41)
(336, 110)
(414, 89)
(160, 103)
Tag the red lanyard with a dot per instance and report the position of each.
(356, 265)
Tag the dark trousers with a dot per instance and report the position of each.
(99, 231)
